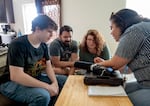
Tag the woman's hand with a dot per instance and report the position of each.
(98, 60)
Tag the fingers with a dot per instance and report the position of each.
(53, 89)
(96, 59)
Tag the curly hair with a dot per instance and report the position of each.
(98, 38)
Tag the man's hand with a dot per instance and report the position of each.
(71, 71)
(53, 89)
(98, 60)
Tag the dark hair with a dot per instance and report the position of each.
(43, 22)
(126, 18)
(65, 28)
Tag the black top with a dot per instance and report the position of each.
(22, 54)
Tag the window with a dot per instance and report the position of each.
(29, 13)
(53, 11)
(141, 6)
(52, 8)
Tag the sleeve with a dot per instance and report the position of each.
(54, 49)
(105, 53)
(130, 43)
(46, 54)
(16, 54)
(74, 47)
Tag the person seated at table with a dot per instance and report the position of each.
(63, 52)
(93, 46)
(27, 59)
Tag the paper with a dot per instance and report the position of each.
(106, 91)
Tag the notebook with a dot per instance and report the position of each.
(106, 91)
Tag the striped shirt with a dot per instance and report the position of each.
(134, 45)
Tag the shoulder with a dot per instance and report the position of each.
(19, 42)
(55, 42)
(18, 45)
(83, 52)
(74, 43)
(135, 32)
(139, 27)
(55, 47)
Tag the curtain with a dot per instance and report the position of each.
(40, 3)
(50, 2)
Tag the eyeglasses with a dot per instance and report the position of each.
(90, 40)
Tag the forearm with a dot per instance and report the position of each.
(108, 63)
(50, 73)
(70, 63)
(116, 62)
(26, 80)
(74, 57)
(64, 64)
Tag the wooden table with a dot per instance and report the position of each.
(74, 93)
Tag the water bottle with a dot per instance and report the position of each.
(19, 33)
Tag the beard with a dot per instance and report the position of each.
(66, 43)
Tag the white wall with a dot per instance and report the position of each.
(91, 14)
(81, 15)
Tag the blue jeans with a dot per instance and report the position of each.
(138, 94)
(30, 95)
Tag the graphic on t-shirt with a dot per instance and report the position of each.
(57, 48)
(66, 55)
(36, 68)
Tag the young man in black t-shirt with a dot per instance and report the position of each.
(27, 59)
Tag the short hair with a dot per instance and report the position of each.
(65, 28)
(125, 18)
(43, 22)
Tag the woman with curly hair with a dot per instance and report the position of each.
(93, 46)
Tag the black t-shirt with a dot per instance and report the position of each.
(22, 54)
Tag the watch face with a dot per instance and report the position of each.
(109, 69)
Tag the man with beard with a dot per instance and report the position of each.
(63, 52)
